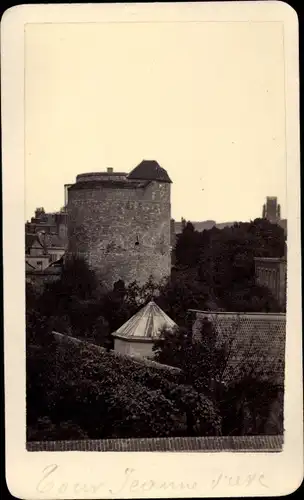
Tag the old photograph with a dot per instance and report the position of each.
(155, 307)
(157, 225)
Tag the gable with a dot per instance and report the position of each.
(32, 241)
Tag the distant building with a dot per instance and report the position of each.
(271, 209)
(137, 336)
(36, 256)
(272, 212)
(41, 249)
(50, 223)
(44, 254)
(45, 246)
(271, 272)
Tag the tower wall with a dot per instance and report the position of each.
(122, 228)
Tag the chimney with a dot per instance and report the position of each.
(110, 170)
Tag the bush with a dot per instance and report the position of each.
(108, 396)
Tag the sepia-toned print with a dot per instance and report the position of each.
(141, 326)
(160, 250)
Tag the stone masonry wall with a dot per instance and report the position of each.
(122, 231)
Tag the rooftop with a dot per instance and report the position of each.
(100, 176)
(149, 170)
(143, 174)
(256, 340)
(146, 324)
(30, 239)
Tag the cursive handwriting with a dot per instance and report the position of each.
(47, 484)
(130, 482)
(232, 481)
(133, 484)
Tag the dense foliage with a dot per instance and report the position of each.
(79, 390)
(223, 262)
(244, 399)
(214, 270)
(76, 391)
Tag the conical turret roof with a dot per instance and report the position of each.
(149, 170)
(146, 324)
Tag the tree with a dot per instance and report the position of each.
(73, 305)
(246, 406)
(187, 249)
(223, 262)
(46, 430)
(101, 334)
(171, 346)
(226, 264)
(110, 396)
(243, 399)
(183, 291)
(201, 361)
(31, 295)
(77, 283)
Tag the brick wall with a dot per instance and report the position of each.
(122, 229)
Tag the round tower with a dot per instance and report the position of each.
(120, 223)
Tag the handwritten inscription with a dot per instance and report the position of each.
(48, 484)
(234, 481)
(130, 483)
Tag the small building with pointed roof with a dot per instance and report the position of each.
(136, 337)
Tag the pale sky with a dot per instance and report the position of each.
(206, 100)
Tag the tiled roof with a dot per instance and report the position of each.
(145, 324)
(30, 239)
(149, 170)
(202, 444)
(257, 341)
(28, 266)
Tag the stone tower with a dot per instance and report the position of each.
(120, 223)
(271, 209)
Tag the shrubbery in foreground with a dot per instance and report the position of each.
(74, 391)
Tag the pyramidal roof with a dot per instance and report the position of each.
(149, 170)
(146, 324)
